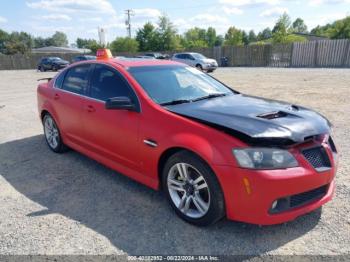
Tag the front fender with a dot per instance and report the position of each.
(200, 146)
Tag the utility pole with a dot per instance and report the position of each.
(128, 13)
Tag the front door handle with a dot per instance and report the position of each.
(56, 96)
(90, 108)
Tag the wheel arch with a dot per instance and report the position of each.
(173, 150)
(47, 108)
(170, 152)
(43, 113)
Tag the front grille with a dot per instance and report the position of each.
(303, 198)
(317, 157)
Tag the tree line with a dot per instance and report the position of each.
(164, 36)
(22, 42)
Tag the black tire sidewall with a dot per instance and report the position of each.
(199, 67)
(217, 206)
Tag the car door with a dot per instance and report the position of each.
(70, 88)
(46, 63)
(179, 58)
(111, 133)
(190, 60)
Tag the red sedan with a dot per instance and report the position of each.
(215, 152)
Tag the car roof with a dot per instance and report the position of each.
(131, 62)
(186, 53)
(135, 62)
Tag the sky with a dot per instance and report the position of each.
(81, 18)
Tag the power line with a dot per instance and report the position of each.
(128, 13)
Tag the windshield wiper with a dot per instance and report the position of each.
(209, 96)
(182, 101)
(175, 102)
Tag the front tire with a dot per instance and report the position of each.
(192, 189)
(53, 135)
(199, 67)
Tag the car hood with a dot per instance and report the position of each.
(256, 120)
(61, 62)
(209, 60)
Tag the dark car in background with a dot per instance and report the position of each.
(83, 58)
(52, 63)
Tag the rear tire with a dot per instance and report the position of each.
(52, 135)
(54, 68)
(192, 189)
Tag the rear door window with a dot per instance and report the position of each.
(188, 57)
(59, 80)
(76, 79)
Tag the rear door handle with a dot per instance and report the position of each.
(56, 96)
(90, 108)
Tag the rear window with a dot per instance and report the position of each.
(76, 79)
(59, 80)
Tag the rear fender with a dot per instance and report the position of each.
(45, 94)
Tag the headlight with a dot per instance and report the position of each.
(264, 158)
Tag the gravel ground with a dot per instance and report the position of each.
(69, 204)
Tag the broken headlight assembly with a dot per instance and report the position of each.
(264, 158)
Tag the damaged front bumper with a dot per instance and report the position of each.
(267, 197)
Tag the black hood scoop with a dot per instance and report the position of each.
(256, 120)
(273, 115)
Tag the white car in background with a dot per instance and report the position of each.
(196, 60)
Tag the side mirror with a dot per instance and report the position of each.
(121, 103)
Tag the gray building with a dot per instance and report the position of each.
(63, 50)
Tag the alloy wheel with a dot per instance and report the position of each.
(51, 132)
(188, 190)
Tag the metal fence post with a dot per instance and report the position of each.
(291, 55)
(315, 55)
(346, 54)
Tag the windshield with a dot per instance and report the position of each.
(55, 59)
(198, 56)
(165, 84)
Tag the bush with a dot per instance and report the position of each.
(124, 44)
